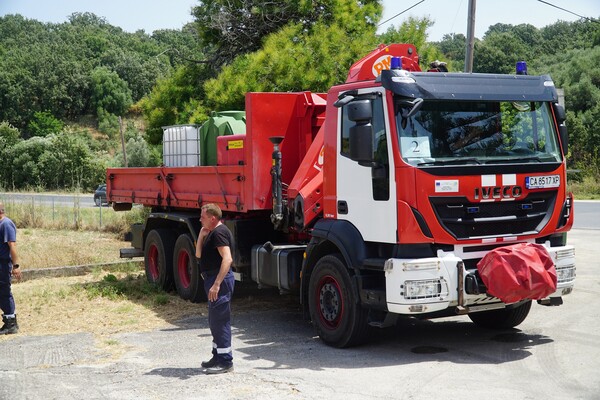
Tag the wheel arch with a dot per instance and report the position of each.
(328, 237)
(179, 223)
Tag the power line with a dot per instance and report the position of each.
(401, 12)
(570, 12)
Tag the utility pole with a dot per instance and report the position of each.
(470, 37)
(122, 144)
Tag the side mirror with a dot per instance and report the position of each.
(561, 115)
(360, 111)
(361, 143)
(564, 138)
(361, 135)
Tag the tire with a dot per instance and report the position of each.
(158, 258)
(502, 319)
(334, 309)
(188, 282)
(97, 201)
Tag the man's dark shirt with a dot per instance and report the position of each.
(210, 260)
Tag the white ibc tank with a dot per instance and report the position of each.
(181, 146)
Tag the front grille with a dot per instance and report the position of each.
(466, 220)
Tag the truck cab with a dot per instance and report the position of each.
(428, 173)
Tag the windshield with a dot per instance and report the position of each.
(461, 132)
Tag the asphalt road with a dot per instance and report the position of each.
(587, 213)
(554, 354)
(58, 200)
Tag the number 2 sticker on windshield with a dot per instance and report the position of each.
(542, 182)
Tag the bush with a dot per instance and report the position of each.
(44, 123)
(108, 123)
(9, 135)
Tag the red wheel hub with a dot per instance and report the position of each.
(331, 302)
(153, 262)
(183, 268)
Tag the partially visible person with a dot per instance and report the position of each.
(213, 251)
(9, 267)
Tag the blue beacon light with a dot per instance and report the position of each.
(521, 68)
(396, 63)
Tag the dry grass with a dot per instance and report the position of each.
(102, 303)
(43, 248)
(63, 218)
(51, 306)
(586, 189)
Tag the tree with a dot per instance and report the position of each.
(290, 60)
(68, 163)
(171, 101)
(179, 46)
(233, 28)
(24, 167)
(9, 136)
(414, 31)
(499, 53)
(453, 45)
(139, 154)
(139, 73)
(109, 92)
(299, 58)
(48, 67)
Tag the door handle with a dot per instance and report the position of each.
(342, 207)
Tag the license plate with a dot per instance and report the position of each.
(542, 182)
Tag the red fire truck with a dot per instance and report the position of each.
(397, 193)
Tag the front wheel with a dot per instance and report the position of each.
(502, 319)
(188, 281)
(334, 308)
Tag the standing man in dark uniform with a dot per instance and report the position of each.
(213, 249)
(9, 267)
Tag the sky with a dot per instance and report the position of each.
(450, 16)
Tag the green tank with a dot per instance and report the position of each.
(219, 124)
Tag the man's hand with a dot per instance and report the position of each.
(16, 273)
(201, 236)
(213, 292)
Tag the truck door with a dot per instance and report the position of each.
(366, 192)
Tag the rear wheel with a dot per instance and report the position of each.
(502, 319)
(188, 281)
(334, 309)
(97, 202)
(158, 258)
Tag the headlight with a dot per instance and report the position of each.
(425, 289)
(565, 274)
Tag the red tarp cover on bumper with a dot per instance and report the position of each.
(517, 272)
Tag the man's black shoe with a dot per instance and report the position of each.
(210, 363)
(10, 326)
(219, 369)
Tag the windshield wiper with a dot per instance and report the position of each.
(515, 160)
(456, 161)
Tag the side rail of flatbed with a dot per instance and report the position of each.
(184, 187)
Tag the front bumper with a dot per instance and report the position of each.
(428, 285)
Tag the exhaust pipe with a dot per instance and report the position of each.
(277, 215)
